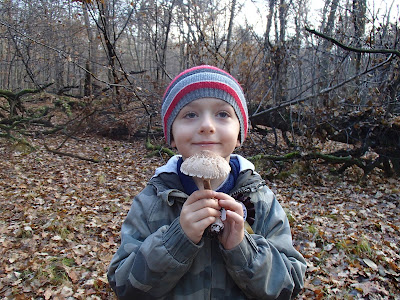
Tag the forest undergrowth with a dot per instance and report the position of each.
(61, 217)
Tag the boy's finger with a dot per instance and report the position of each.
(207, 212)
(231, 205)
(223, 196)
(200, 194)
(204, 203)
(237, 218)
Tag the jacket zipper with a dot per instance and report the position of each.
(247, 189)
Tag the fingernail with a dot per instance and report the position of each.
(223, 214)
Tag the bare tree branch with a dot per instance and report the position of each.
(353, 49)
(323, 91)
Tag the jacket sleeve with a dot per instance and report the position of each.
(265, 265)
(149, 264)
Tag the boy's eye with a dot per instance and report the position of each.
(223, 114)
(190, 115)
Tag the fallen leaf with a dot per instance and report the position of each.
(370, 263)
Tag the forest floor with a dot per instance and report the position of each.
(61, 216)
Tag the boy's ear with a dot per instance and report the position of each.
(238, 143)
(173, 145)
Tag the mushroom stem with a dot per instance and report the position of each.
(207, 184)
(218, 225)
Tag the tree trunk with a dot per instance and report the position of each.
(88, 88)
(229, 37)
(359, 8)
(326, 47)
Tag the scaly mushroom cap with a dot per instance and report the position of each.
(206, 165)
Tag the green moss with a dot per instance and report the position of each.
(290, 217)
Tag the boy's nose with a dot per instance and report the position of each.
(207, 125)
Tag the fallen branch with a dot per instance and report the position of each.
(14, 99)
(315, 155)
(289, 156)
(367, 165)
(8, 94)
(71, 155)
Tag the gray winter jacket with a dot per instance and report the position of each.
(156, 260)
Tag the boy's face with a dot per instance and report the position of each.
(206, 124)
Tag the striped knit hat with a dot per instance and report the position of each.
(203, 82)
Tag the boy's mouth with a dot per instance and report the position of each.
(205, 144)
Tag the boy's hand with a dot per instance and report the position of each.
(198, 212)
(233, 232)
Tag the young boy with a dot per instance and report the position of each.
(166, 250)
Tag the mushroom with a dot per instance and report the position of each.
(207, 165)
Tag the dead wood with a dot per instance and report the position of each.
(14, 99)
(368, 130)
(94, 160)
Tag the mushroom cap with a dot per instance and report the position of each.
(206, 164)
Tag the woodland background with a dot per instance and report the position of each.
(80, 90)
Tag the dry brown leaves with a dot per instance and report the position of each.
(60, 221)
(348, 233)
(60, 217)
